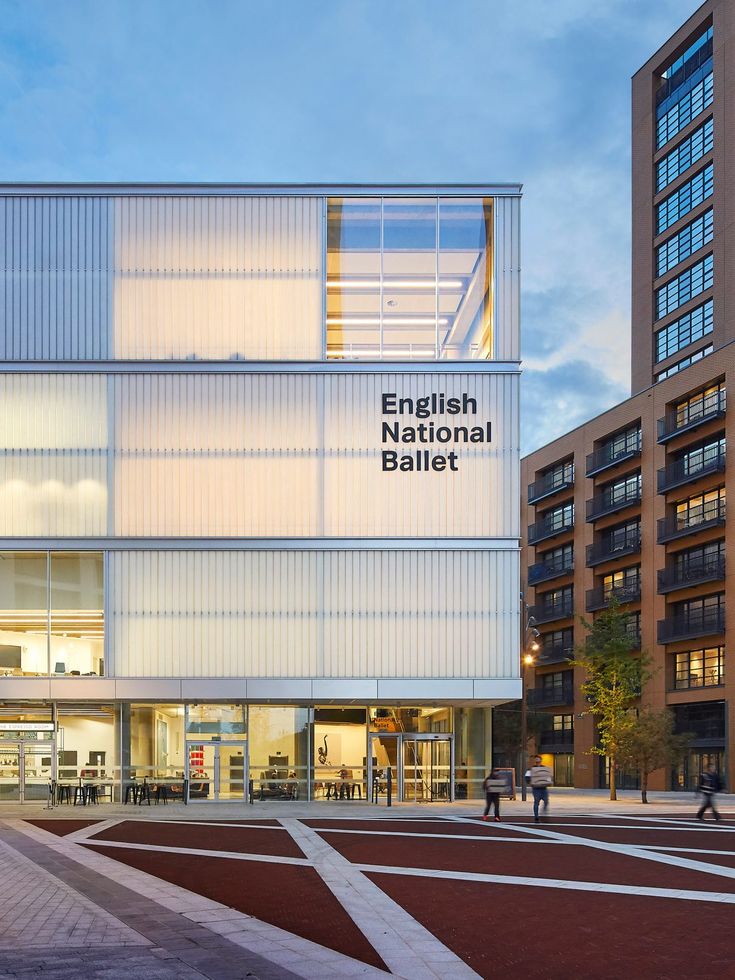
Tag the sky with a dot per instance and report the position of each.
(375, 91)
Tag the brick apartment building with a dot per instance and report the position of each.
(632, 504)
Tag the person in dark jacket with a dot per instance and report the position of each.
(709, 786)
(494, 785)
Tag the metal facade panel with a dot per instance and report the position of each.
(55, 278)
(218, 277)
(507, 285)
(314, 614)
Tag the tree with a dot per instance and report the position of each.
(649, 743)
(507, 729)
(614, 677)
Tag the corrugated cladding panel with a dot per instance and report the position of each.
(314, 613)
(55, 278)
(218, 277)
(507, 245)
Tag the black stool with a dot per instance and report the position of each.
(144, 794)
(131, 792)
(161, 794)
(80, 795)
(92, 794)
(63, 794)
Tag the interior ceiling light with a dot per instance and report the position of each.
(397, 321)
(393, 284)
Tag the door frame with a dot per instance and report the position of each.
(402, 739)
(397, 789)
(45, 747)
(216, 774)
(408, 737)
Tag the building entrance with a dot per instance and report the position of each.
(216, 771)
(26, 769)
(422, 766)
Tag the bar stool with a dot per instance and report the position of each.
(144, 794)
(63, 793)
(80, 795)
(131, 791)
(161, 793)
(91, 794)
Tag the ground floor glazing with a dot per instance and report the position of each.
(232, 752)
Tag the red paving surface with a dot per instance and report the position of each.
(550, 934)
(62, 827)
(240, 840)
(288, 896)
(724, 860)
(446, 827)
(566, 861)
(647, 835)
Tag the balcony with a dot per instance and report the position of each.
(546, 697)
(684, 471)
(604, 458)
(547, 486)
(600, 597)
(700, 519)
(544, 571)
(606, 503)
(710, 569)
(690, 625)
(549, 527)
(558, 653)
(547, 613)
(556, 742)
(676, 423)
(610, 549)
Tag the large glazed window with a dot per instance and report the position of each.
(409, 278)
(51, 613)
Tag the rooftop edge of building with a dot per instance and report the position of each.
(196, 188)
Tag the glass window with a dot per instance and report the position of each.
(557, 599)
(625, 580)
(684, 363)
(417, 720)
(557, 558)
(673, 119)
(690, 52)
(558, 475)
(685, 155)
(700, 668)
(216, 721)
(482, 738)
(703, 455)
(684, 287)
(622, 443)
(340, 751)
(703, 557)
(689, 240)
(155, 740)
(701, 508)
(556, 642)
(563, 723)
(623, 536)
(705, 402)
(409, 278)
(77, 613)
(685, 199)
(279, 751)
(559, 517)
(87, 746)
(627, 488)
(686, 330)
(23, 614)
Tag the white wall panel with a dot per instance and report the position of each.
(300, 455)
(55, 278)
(218, 277)
(314, 614)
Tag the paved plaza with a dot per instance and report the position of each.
(336, 890)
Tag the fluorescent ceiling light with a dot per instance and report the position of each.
(389, 321)
(393, 284)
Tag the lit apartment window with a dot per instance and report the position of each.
(684, 363)
(563, 724)
(686, 330)
(700, 668)
(685, 199)
(702, 507)
(672, 120)
(557, 600)
(685, 155)
(685, 287)
(689, 240)
(710, 399)
(626, 582)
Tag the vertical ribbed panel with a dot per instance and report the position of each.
(300, 455)
(314, 613)
(507, 258)
(55, 286)
(53, 433)
(218, 277)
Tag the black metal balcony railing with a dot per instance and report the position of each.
(557, 653)
(635, 635)
(688, 625)
(549, 527)
(611, 548)
(543, 571)
(708, 569)
(600, 597)
(604, 458)
(712, 514)
(610, 503)
(546, 696)
(548, 485)
(548, 612)
(556, 742)
(678, 421)
(685, 470)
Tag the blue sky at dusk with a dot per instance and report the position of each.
(380, 91)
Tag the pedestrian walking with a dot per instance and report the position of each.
(709, 786)
(541, 779)
(494, 784)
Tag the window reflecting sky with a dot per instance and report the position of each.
(416, 91)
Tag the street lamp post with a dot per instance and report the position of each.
(526, 661)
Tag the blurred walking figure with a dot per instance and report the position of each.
(494, 785)
(709, 786)
(540, 779)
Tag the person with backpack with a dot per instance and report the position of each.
(494, 785)
(540, 779)
(709, 786)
